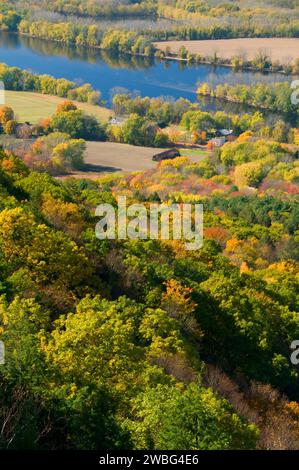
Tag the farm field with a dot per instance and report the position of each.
(110, 157)
(32, 107)
(126, 157)
(282, 49)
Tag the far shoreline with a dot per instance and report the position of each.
(205, 59)
(225, 50)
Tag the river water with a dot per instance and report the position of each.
(146, 77)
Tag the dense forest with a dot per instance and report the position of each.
(142, 344)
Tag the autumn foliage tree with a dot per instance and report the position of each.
(55, 153)
(6, 115)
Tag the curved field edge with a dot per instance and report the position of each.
(32, 107)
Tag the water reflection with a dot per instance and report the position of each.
(91, 55)
(106, 72)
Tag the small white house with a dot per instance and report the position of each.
(218, 141)
(116, 121)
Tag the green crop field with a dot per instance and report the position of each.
(32, 107)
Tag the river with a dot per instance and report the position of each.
(143, 76)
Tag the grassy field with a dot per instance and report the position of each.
(32, 107)
(195, 154)
(109, 157)
(282, 49)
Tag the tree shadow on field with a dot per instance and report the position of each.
(91, 168)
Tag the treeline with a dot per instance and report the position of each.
(231, 31)
(197, 121)
(272, 96)
(9, 19)
(91, 8)
(227, 20)
(122, 41)
(55, 31)
(157, 109)
(221, 22)
(117, 41)
(261, 62)
(17, 79)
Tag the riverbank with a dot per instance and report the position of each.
(275, 54)
(279, 55)
(254, 56)
(112, 74)
(280, 49)
(261, 62)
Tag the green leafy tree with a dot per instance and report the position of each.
(78, 125)
(191, 418)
